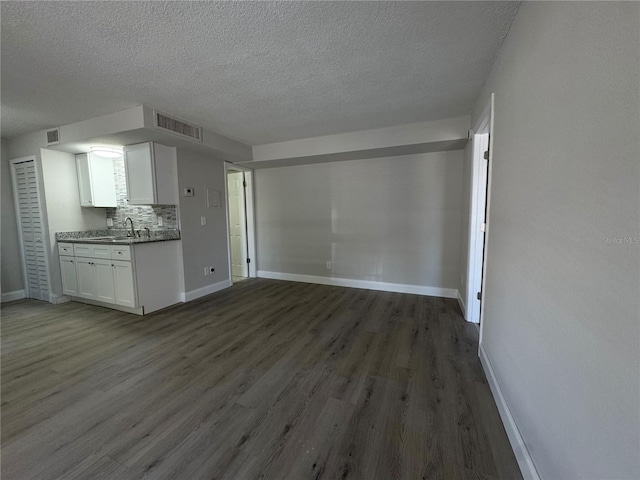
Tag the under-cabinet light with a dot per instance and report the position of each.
(109, 152)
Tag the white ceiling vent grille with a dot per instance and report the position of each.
(178, 127)
(53, 136)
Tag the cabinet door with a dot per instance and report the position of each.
(166, 174)
(103, 181)
(87, 278)
(104, 280)
(140, 173)
(84, 180)
(124, 283)
(69, 278)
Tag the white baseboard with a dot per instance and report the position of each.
(525, 462)
(347, 282)
(208, 290)
(57, 299)
(463, 307)
(12, 296)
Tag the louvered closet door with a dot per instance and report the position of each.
(32, 229)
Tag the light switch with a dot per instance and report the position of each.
(109, 222)
(203, 221)
(160, 221)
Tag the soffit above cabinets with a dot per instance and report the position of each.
(136, 125)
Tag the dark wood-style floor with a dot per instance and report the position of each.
(267, 379)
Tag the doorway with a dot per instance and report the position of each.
(479, 213)
(241, 234)
(32, 231)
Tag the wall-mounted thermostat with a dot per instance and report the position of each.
(188, 191)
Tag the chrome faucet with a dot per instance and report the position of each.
(132, 233)
(148, 232)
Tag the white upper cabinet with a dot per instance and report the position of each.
(152, 174)
(96, 181)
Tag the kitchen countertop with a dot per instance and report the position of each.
(117, 237)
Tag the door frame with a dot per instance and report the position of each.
(249, 217)
(480, 196)
(43, 218)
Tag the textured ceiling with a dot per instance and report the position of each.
(256, 71)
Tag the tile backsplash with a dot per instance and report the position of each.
(142, 215)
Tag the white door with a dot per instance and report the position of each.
(477, 225)
(69, 276)
(237, 225)
(31, 228)
(125, 286)
(87, 279)
(104, 281)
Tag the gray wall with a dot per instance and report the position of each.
(202, 245)
(11, 268)
(62, 206)
(394, 220)
(562, 311)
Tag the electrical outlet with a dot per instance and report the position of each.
(211, 270)
(160, 221)
(328, 265)
(109, 222)
(206, 271)
(203, 221)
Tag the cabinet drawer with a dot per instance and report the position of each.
(120, 252)
(92, 251)
(65, 249)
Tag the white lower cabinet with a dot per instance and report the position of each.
(105, 278)
(87, 279)
(95, 279)
(69, 276)
(140, 278)
(125, 288)
(91, 276)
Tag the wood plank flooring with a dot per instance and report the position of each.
(264, 380)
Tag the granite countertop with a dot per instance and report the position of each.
(117, 237)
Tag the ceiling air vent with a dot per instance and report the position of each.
(178, 127)
(53, 136)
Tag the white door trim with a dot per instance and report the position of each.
(250, 217)
(480, 175)
(491, 108)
